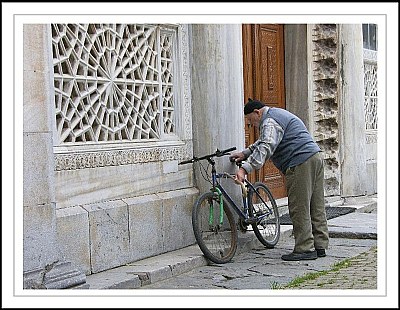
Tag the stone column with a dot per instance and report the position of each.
(297, 73)
(43, 264)
(217, 91)
(351, 103)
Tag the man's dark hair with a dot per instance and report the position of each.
(251, 105)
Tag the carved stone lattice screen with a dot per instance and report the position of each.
(371, 90)
(113, 82)
(325, 72)
(371, 109)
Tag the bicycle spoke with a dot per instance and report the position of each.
(263, 205)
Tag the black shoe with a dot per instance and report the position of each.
(300, 256)
(321, 252)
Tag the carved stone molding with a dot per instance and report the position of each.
(183, 44)
(74, 161)
(58, 275)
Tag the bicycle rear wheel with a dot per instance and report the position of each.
(217, 241)
(267, 229)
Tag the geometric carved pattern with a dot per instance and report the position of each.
(113, 82)
(371, 96)
(325, 85)
(167, 82)
(173, 45)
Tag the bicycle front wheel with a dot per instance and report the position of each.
(263, 205)
(215, 233)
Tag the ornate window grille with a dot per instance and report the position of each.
(370, 44)
(113, 82)
(371, 95)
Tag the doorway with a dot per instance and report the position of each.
(263, 73)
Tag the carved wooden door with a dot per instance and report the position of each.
(263, 60)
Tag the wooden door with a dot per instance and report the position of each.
(263, 69)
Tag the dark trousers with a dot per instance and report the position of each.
(305, 189)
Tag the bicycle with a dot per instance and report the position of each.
(214, 225)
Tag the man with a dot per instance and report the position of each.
(286, 141)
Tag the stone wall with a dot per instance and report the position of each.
(117, 192)
(44, 265)
(102, 235)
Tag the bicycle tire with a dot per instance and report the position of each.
(267, 230)
(218, 243)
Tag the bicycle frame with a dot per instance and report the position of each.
(243, 214)
(219, 240)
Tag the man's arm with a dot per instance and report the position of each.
(243, 155)
(271, 134)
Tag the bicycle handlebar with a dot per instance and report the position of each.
(217, 153)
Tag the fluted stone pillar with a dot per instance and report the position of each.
(351, 103)
(43, 263)
(217, 91)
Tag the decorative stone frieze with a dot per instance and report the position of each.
(106, 158)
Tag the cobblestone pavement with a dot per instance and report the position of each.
(359, 272)
(262, 268)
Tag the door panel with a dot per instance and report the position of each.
(263, 59)
(269, 73)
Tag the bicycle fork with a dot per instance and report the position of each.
(221, 209)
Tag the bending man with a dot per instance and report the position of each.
(286, 141)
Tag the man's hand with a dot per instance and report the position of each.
(240, 175)
(236, 157)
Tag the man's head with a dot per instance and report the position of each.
(253, 111)
(252, 105)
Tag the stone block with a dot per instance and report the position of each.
(109, 234)
(37, 47)
(37, 108)
(73, 236)
(37, 170)
(40, 246)
(84, 186)
(176, 180)
(117, 278)
(177, 219)
(145, 226)
(170, 166)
